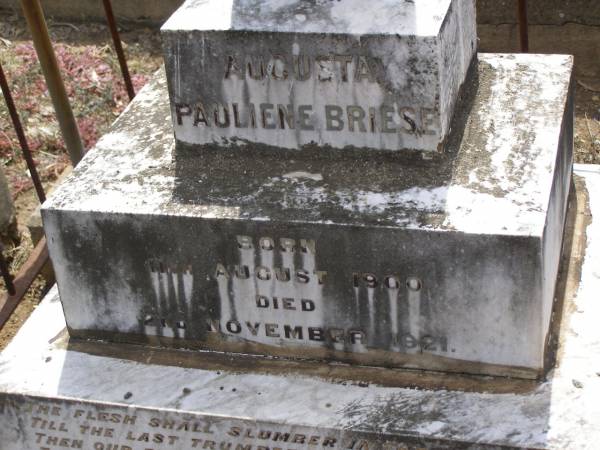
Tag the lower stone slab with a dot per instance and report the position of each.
(59, 394)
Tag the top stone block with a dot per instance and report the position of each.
(338, 74)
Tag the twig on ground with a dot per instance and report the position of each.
(63, 24)
(587, 87)
(592, 136)
(50, 155)
(10, 141)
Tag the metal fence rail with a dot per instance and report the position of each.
(23, 281)
(17, 287)
(114, 32)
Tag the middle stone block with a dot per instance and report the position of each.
(295, 74)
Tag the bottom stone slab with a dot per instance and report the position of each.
(58, 394)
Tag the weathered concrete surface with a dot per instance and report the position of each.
(296, 74)
(61, 389)
(444, 264)
(7, 209)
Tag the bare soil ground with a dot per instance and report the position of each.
(98, 96)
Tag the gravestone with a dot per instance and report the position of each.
(325, 248)
(445, 264)
(332, 189)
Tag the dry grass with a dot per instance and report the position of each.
(95, 87)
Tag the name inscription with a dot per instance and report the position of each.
(324, 68)
(259, 72)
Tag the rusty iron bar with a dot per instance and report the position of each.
(114, 32)
(23, 281)
(4, 270)
(523, 26)
(14, 115)
(43, 46)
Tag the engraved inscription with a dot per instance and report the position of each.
(275, 292)
(293, 99)
(324, 68)
(82, 426)
(388, 118)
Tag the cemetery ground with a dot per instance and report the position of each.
(94, 84)
(96, 89)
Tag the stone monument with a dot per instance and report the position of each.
(300, 74)
(318, 205)
(311, 191)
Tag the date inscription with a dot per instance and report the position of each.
(273, 293)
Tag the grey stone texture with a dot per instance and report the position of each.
(35, 225)
(7, 209)
(391, 260)
(57, 392)
(301, 74)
